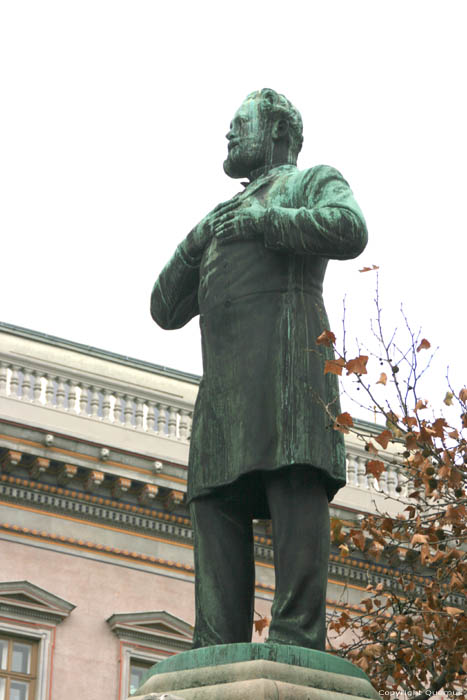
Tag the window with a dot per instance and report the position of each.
(138, 668)
(28, 618)
(146, 638)
(18, 668)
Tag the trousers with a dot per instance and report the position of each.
(224, 558)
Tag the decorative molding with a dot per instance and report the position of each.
(9, 460)
(159, 629)
(92, 508)
(97, 548)
(24, 600)
(120, 487)
(66, 473)
(93, 480)
(147, 493)
(173, 499)
(38, 466)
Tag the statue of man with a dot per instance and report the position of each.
(262, 442)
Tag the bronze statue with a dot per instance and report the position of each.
(262, 442)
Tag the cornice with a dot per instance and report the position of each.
(97, 352)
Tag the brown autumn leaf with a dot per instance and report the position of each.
(424, 345)
(444, 471)
(357, 365)
(343, 422)
(387, 525)
(383, 438)
(448, 398)
(453, 611)
(261, 624)
(383, 378)
(409, 421)
(326, 338)
(420, 405)
(438, 427)
(373, 650)
(464, 420)
(358, 538)
(375, 550)
(419, 539)
(426, 434)
(424, 554)
(402, 621)
(369, 269)
(344, 550)
(336, 530)
(375, 467)
(372, 449)
(411, 441)
(334, 366)
(463, 395)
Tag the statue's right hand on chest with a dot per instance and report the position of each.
(200, 236)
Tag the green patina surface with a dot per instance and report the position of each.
(235, 653)
(253, 270)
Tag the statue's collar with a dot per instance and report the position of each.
(267, 170)
(260, 175)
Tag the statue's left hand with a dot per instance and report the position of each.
(240, 225)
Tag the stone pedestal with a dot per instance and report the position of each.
(255, 672)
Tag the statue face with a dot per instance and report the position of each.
(249, 141)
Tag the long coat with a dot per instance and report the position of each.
(264, 401)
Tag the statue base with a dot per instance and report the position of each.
(255, 672)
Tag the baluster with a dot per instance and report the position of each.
(189, 424)
(106, 404)
(151, 417)
(94, 401)
(37, 391)
(383, 482)
(361, 473)
(60, 396)
(3, 378)
(128, 411)
(351, 470)
(117, 412)
(391, 480)
(161, 418)
(83, 399)
(173, 413)
(26, 385)
(401, 482)
(49, 390)
(72, 385)
(183, 431)
(14, 381)
(139, 414)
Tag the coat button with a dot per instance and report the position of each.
(227, 303)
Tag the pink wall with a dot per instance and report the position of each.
(86, 654)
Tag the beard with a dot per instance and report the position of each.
(243, 158)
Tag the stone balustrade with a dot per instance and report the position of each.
(139, 398)
(391, 482)
(143, 410)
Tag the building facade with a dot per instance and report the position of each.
(96, 560)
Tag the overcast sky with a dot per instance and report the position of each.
(112, 139)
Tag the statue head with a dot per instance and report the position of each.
(266, 131)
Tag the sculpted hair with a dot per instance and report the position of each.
(274, 105)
